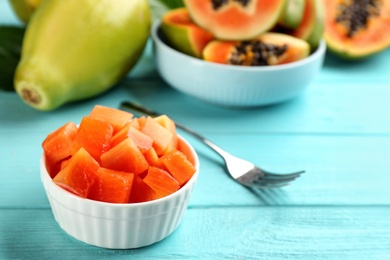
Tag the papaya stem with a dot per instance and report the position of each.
(31, 96)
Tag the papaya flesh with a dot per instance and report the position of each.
(357, 29)
(235, 19)
(74, 50)
(183, 34)
(265, 50)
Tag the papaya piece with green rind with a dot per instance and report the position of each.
(292, 14)
(74, 50)
(235, 20)
(312, 26)
(354, 30)
(183, 34)
(265, 50)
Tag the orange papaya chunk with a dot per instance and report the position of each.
(64, 163)
(126, 157)
(135, 123)
(169, 124)
(57, 146)
(141, 192)
(178, 166)
(143, 141)
(79, 174)
(112, 186)
(160, 135)
(151, 157)
(161, 181)
(94, 135)
(166, 122)
(117, 118)
(140, 122)
(120, 135)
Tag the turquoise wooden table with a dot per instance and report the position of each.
(338, 131)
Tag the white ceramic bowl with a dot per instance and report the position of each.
(230, 85)
(120, 226)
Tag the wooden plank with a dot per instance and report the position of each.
(341, 170)
(325, 107)
(234, 233)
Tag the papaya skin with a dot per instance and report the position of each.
(292, 14)
(312, 26)
(67, 58)
(183, 34)
(24, 8)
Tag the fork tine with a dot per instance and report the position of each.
(275, 176)
(267, 185)
(275, 181)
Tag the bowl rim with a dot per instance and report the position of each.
(320, 51)
(46, 179)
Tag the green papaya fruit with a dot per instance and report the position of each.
(73, 50)
(24, 8)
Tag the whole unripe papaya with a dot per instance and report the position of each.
(77, 49)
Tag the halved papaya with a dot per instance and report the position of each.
(312, 26)
(235, 20)
(292, 14)
(267, 49)
(183, 34)
(356, 29)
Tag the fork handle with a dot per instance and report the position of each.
(143, 110)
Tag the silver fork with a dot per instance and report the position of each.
(239, 169)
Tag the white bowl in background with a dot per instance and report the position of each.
(236, 86)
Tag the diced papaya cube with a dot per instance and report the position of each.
(169, 124)
(161, 181)
(135, 123)
(166, 122)
(57, 146)
(161, 136)
(141, 192)
(64, 163)
(141, 122)
(117, 118)
(126, 157)
(143, 141)
(152, 157)
(112, 186)
(94, 135)
(79, 174)
(178, 166)
(120, 135)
